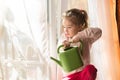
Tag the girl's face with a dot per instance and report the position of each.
(69, 28)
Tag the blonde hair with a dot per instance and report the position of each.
(77, 17)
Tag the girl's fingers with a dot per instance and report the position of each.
(66, 44)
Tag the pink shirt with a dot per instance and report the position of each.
(88, 37)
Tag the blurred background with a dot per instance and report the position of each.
(30, 29)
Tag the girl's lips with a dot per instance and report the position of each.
(66, 34)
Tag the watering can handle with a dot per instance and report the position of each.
(81, 47)
(58, 50)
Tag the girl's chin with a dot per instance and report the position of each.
(68, 36)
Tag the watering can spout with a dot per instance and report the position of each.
(57, 61)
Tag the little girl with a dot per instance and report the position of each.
(76, 29)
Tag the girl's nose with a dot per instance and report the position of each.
(65, 29)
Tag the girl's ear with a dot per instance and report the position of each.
(80, 28)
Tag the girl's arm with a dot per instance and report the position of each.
(91, 34)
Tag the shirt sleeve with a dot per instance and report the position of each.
(91, 34)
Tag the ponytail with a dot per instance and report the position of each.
(83, 18)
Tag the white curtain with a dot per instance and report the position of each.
(24, 39)
(105, 52)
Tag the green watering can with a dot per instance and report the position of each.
(69, 58)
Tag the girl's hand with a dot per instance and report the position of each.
(66, 44)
